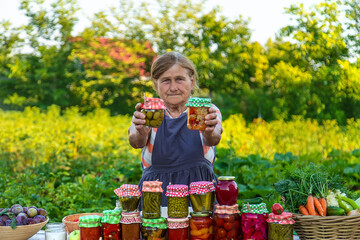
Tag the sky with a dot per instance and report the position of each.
(266, 16)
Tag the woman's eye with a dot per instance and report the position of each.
(165, 80)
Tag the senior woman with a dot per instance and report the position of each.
(172, 153)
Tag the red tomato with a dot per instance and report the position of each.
(221, 233)
(219, 222)
(228, 226)
(231, 234)
(229, 218)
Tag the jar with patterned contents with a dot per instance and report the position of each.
(202, 196)
(227, 222)
(90, 227)
(280, 227)
(226, 190)
(154, 229)
(178, 202)
(253, 221)
(178, 228)
(152, 192)
(201, 226)
(130, 226)
(129, 197)
(198, 108)
(111, 224)
(153, 109)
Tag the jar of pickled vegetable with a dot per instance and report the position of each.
(111, 224)
(198, 108)
(202, 196)
(90, 227)
(130, 226)
(152, 192)
(280, 227)
(178, 228)
(253, 221)
(178, 202)
(129, 197)
(153, 109)
(154, 229)
(226, 190)
(227, 222)
(201, 226)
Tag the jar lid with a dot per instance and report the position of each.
(199, 102)
(175, 223)
(254, 208)
(111, 216)
(156, 223)
(153, 103)
(128, 190)
(284, 218)
(226, 178)
(177, 190)
(90, 221)
(152, 186)
(201, 187)
(200, 214)
(224, 209)
(129, 218)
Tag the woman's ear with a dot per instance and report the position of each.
(192, 83)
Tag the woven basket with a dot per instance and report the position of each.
(329, 227)
(21, 232)
(72, 221)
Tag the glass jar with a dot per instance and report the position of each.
(280, 227)
(90, 227)
(55, 231)
(202, 196)
(130, 226)
(253, 221)
(201, 226)
(198, 108)
(152, 192)
(129, 197)
(154, 229)
(178, 228)
(153, 109)
(227, 222)
(111, 224)
(178, 202)
(226, 190)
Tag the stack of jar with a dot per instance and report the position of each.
(154, 226)
(227, 215)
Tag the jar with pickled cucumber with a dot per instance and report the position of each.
(178, 202)
(280, 226)
(152, 192)
(178, 228)
(227, 222)
(130, 226)
(154, 110)
(202, 196)
(201, 226)
(129, 197)
(198, 108)
(153, 229)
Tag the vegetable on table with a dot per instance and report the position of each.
(310, 205)
(323, 204)
(303, 210)
(344, 205)
(351, 202)
(318, 207)
(335, 211)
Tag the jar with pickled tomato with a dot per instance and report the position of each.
(152, 192)
(129, 197)
(153, 109)
(198, 108)
(253, 221)
(178, 202)
(152, 229)
(130, 226)
(90, 227)
(202, 196)
(111, 224)
(178, 228)
(280, 226)
(201, 226)
(227, 222)
(226, 190)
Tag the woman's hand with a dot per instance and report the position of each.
(138, 132)
(213, 130)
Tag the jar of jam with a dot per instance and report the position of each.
(280, 227)
(153, 109)
(152, 229)
(253, 221)
(130, 226)
(178, 202)
(178, 228)
(129, 197)
(227, 222)
(201, 226)
(111, 224)
(202, 196)
(152, 192)
(226, 190)
(198, 108)
(90, 227)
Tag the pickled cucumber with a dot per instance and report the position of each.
(153, 117)
(129, 204)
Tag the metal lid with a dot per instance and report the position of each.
(200, 214)
(226, 178)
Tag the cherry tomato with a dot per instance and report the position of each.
(228, 226)
(219, 222)
(229, 218)
(221, 233)
(231, 234)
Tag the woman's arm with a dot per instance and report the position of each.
(212, 133)
(138, 133)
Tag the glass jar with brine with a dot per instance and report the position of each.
(129, 197)
(202, 196)
(153, 109)
(154, 229)
(178, 228)
(152, 192)
(280, 226)
(178, 202)
(198, 108)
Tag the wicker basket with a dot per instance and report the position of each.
(21, 232)
(72, 221)
(329, 227)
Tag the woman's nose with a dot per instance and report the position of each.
(173, 86)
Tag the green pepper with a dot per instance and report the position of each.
(351, 202)
(343, 205)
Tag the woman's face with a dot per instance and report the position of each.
(175, 85)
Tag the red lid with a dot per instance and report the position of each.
(152, 186)
(153, 103)
(127, 190)
(177, 190)
(284, 218)
(224, 209)
(201, 187)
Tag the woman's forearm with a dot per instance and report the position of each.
(213, 138)
(137, 139)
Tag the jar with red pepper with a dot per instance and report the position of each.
(178, 202)
(129, 197)
(130, 226)
(111, 224)
(202, 196)
(226, 190)
(198, 108)
(90, 227)
(178, 228)
(201, 226)
(227, 222)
